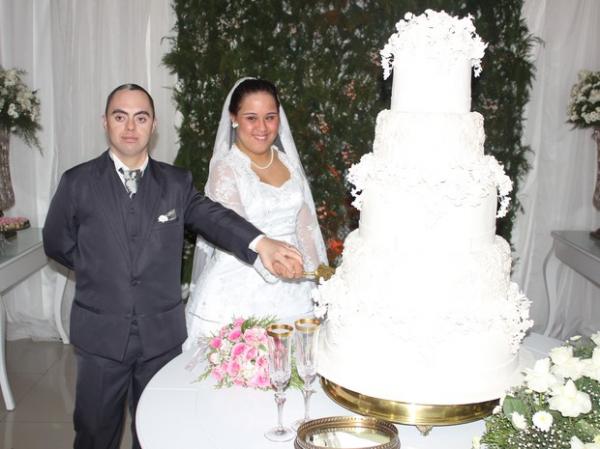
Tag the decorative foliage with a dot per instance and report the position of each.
(324, 58)
(238, 355)
(584, 107)
(19, 107)
(557, 406)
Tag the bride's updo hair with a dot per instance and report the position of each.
(251, 86)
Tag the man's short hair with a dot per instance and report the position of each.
(129, 86)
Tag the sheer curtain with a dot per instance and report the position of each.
(557, 193)
(75, 52)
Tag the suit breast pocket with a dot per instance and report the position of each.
(171, 224)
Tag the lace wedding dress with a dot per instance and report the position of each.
(228, 288)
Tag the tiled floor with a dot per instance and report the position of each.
(42, 377)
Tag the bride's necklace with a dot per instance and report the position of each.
(264, 167)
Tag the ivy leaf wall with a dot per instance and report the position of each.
(324, 58)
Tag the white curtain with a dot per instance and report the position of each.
(557, 193)
(75, 52)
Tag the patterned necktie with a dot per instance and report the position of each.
(132, 179)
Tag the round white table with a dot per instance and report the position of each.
(176, 412)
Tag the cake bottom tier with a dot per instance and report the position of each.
(451, 370)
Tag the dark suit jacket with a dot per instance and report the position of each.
(85, 231)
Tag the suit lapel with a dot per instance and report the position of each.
(153, 189)
(108, 202)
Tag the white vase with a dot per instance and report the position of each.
(7, 195)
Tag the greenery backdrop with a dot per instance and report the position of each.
(324, 58)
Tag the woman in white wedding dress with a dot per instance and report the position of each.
(256, 171)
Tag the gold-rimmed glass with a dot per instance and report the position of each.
(306, 351)
(279, 341)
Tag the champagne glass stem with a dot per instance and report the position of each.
(307, 393)
(280, 400)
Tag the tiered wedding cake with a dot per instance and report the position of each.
(422, 309)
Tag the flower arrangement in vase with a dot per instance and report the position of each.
(556, 407)
(19, 115)
(584, 112)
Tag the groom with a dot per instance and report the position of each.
(118, 222)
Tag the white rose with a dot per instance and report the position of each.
(12, 111)
(565, 365)
(518, 421)
(215, 358)
(576, 443)
(592, 365)
(249, 370)
(569, 401)
(561, 354)
(542, 420)
(540, 378)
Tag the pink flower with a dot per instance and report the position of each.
(262, 361)
(235, 334)
(238, 349)
(251, 353)
(239, 382)
(218, 373)
(238, 322)
(233, 368)
(215, 343)
(260, 379)
(255, 336)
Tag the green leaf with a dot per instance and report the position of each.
(512, 404)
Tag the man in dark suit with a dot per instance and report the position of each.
(118, 222)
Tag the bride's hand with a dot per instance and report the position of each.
(280, 258)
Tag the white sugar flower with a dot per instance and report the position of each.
(569, 401)
(518, 421)
(476, 442)
(596, 338)
(496, 410)
(540, 379)
(542, 420)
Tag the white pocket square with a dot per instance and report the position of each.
(168, 216)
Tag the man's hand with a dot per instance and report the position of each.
(280, 258)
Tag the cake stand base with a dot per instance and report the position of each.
(424, 416)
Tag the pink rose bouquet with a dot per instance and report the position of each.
(238, 355)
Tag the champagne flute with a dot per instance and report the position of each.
(279, 338)
(307, 337)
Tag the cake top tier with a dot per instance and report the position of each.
(433, 34)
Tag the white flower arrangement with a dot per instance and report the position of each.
(556, 406)
(584, 105)
(19, 106)
(434, 32)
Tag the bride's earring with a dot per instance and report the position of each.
(234, 125)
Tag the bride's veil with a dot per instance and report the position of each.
(285, 142)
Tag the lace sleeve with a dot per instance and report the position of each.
(309, 239)
(222, 187)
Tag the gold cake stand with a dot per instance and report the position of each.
(423, 416)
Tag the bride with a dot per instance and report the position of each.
(256, 171)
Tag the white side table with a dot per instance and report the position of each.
(577, 250)
(19, 259)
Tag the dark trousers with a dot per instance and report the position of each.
(103, 388)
